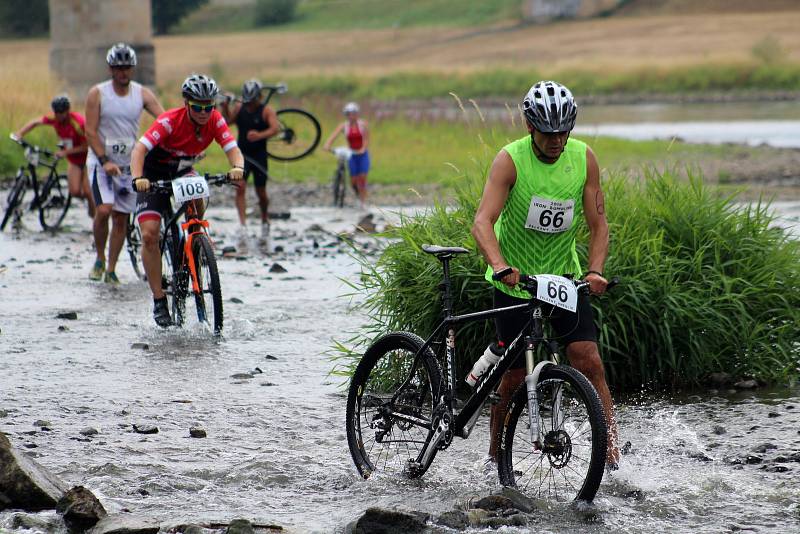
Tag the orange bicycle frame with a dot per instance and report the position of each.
(201, 224)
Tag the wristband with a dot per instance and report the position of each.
(102, 159)
(598, 273)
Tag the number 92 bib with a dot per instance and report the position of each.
(550, 216)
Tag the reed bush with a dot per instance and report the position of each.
(708, 284)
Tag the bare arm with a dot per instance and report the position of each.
(93, 121)
(273, 126)
(235, 157)
(333, 135)
(230, 112)
(365, 138)
(151, 103)
(137, 160)
(502, 177)
(28, 127)
(595, 212)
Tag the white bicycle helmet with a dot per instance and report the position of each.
(351, 107)
(199, 87)
(251, 90)
(550, 108)
(121, 55)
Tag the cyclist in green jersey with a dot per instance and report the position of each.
(538, 188)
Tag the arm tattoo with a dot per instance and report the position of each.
(598, 200)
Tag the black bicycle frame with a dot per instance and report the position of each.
(35, 181)
(463, 422)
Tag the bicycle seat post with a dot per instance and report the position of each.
(444, 287)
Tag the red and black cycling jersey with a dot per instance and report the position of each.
(173, 142)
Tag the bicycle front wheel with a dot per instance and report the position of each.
(133, 239)
(14, 200)
(390, 406)
(208, 310)
(339, 188)
(54, 203)
(174, 278)
(299, 135)
(568, 463)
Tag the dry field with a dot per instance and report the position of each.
(610, 44)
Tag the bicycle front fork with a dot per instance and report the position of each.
(531, 381)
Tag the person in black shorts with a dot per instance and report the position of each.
(256, 123)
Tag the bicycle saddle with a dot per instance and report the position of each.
(443, 252)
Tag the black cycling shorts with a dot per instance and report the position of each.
(568, 327)
(259, 176)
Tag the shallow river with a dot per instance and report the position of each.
(276, 449)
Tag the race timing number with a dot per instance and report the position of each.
(119, 147)
(550, 216)
(558, 291)
(190, 188)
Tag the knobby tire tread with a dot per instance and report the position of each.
(204, 253)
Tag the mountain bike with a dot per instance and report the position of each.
(299, 132)
(339, 182)
(51, 197)
(402, 408)
(187, 252)
(133, 242)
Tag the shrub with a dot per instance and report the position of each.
(274, 12)
(708, 284)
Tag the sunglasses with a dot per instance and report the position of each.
(198, 108)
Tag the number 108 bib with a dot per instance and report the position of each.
(550, 216)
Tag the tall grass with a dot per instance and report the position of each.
(708, 285)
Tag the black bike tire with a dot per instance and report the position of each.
(133, 243)
(14, 199)
(338, 189)
(596, 418)
(48, 195)
(204, 253)
(389, 342)
(314, 125)
(176, 279)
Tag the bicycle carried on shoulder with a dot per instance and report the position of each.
(299, 131)
(187, 252)
(51, 197)
(339, 181)
(402, 410)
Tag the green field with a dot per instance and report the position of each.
(359, 14)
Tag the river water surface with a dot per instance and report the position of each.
(276, 451)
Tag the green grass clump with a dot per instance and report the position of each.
(708, 285)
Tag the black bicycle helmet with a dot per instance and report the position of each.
(199, 87)
(251, 90)
(60, 103)
(550, 108)
(121, 55)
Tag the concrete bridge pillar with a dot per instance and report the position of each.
(81, 32)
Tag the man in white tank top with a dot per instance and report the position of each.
(113, 109)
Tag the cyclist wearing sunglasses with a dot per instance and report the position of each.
(168, 149)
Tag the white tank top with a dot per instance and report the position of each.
(119, 121)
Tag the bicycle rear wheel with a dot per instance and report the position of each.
(569, 464)
(174, 278)
(339, 187)
(133, 239)
(208, 282)
(54, 203)
(14, 200)
(389, 417)
(299, 135)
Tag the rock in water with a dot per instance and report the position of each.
(24, 484)
(145, 429)
(240, 526)
(125, 524)
(197, 432)
(80, 508)
(69, 316)
(277, 268)
(366, 224)
(382, 521)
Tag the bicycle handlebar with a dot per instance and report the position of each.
(165, 186)
(529, 283)
(24, 144)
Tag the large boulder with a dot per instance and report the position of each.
(80, 508)
(125, 524)
(25, 484)
(382, 521)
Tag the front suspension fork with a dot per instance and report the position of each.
(531, 381)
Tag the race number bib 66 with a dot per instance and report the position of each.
(557, 290)
(550, 216)
(190, 188)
